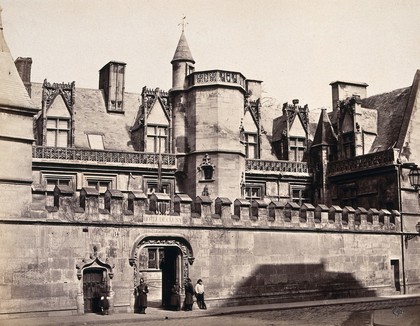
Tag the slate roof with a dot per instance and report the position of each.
(279, 124)
(182, 52)
(391, 108)
(324, 134)
(91, 117)
(12, 91)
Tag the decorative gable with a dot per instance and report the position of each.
(297, 129)
(157, 114)
(57, 103)
(347, 125)
(58, 108)
(248, 123)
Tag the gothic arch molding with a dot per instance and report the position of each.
(93, 262)
(165, 240)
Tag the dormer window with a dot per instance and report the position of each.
(251, 143)
(54, 125)
(58, 132)
(157, 138)
(297, 148)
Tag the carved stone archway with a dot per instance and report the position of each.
(93, 262)
(161, 240)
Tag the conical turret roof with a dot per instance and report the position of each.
(182, 52)
(324, 134)
(12, 91)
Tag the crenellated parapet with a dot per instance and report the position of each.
(135, 207)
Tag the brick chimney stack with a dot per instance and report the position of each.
(24, 66)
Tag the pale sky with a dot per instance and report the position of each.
(295, 47)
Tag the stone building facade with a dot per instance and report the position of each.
(100, 187)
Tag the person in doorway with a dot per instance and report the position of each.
(175, 301)
(199, 293)
(105, 303)
(141, 296)
(189, 295)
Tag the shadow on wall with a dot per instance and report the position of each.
(296, 282)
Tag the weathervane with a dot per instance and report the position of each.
(183, 23)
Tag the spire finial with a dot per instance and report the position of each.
(183, 23)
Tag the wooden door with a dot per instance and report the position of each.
(94, 285)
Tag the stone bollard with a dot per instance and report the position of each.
(63, 200)
(223, 208)
(334, 216)
(275, 212)
(89, 201)
(241, 209)
(114, 204)
(383, 219)
(182, 204)
(137, 204)
(348, 217)
(307, 214)
(373, 218)
(202, 206)
(160, 203)
(292, 212)
(259, 210)
(361, 218)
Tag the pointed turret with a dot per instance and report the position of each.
(182, 64)
(182, 52)
(16, 138)
(324, 135)
(323, 150)
(12, 91)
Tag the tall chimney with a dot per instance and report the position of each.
(111, 81)
(24, 66)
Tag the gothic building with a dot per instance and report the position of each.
(99, 187)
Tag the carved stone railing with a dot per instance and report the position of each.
(362, 162)
(276, 166)
(216, 77)
(100, 156)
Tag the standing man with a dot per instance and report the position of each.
(175, 301)
(141, 296)
(199, 292)
(189, 295)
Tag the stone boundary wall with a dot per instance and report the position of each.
(136, 208)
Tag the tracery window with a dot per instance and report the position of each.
(348, 145)
(58, 132)
(157, 138)
(297, 148)
(151, 258)
(251, 145)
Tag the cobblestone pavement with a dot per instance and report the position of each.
(341, 315)
(375, 311)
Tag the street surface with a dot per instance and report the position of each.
(314, 316)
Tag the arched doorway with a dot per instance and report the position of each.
(94, 286)
(95, 280)
(161, 260)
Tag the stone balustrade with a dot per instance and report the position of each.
(135, 207)
(367, 161)
(276, 166)
(220, 77)
(81, 155)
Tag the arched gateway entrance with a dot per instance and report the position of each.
(161, 260)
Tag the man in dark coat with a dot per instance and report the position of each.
(105, 303)
(189, 295)
(175, 301)
(141, 296)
